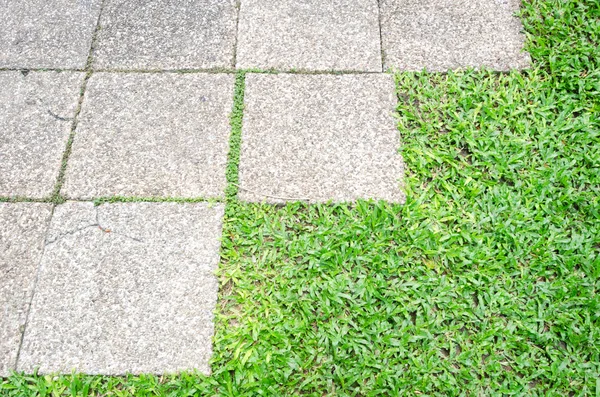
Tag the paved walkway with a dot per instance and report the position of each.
(132, 99)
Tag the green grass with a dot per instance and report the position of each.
(485, 282)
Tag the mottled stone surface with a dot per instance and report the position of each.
(22, 231)
(36, 114)
(125, 288)
(166, 34)
(46, 34)
(149, 134)
(439, 35)
(320, 138)
(309, 35)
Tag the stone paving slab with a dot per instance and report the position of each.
(166, 34)
(46, 34)
(320, 137)
(440, 35)
(36, 111)
(152, 134)
(309, 35)
(125, 287)
(22, 231)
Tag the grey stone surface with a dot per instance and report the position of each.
(166, 34)
(439, 35)
(125, 287)
(22, 230)
(321, 138)
(148, 134)
(46, 34)
(36, 114)
(309, 35)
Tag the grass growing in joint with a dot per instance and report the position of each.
(235, 139)
(57, 197)
(20, 199)
(486, 282)
(126, 199)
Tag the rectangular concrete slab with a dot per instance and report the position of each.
(320, 138)
(166, 34)
(126, 287)
(46, 34)
(22, 231)
(152, 134)
(440, 35)
(309, 35)
(36, 114)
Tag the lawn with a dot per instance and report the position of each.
(486, 282)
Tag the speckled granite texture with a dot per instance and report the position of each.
(309, 35)
(149, 134)
(439, 35)
(22, 230)
(166, 34)
(36, 114)
(320, 138)
(125, 288)
(46, 34)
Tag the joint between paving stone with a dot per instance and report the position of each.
(121, 199)
(56, 195)
(339, 72)
(176, 71)
(236, 71)
(20, 199)
(92, 70)
(38, 269)
(238, 6)
(235, 137)
(90, 58)
(381, 36)
(116, 199)
(26, 71)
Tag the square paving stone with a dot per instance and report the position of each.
(46, 34)
(439, 35)
(309, 35)
(126, 287)
(36, 113)
(320, 138)
(166, 34)
(22, 231)
(152, 134)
